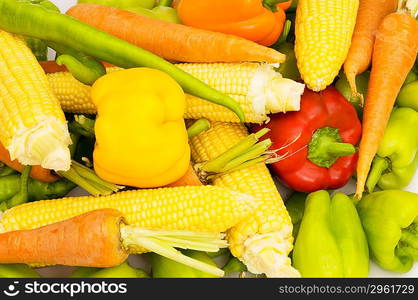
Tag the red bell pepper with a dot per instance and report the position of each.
(317, 142)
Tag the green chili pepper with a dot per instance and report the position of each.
(331, 241)
(166, 268)
(39, 47)
(22, 195)
(234, 265)
(122, 3)
(295, 206)
(37, 190)
(397, 157)
(408, 95)
(17, 271)
(59, 29)
(390, 220)
(362, 83)
(289, 68)
(122, 271)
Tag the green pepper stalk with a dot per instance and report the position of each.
(122, 271)
(22, 195)
(17, 271)
(36, 21)
(326, 147)
(37, 190)
(390, 220)
(397, 157)
(331, 241)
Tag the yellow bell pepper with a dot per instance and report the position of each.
(141, 137)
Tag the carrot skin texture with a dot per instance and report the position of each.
(37, 172)
(369, 17)
(394, 55)
(173, 42)
(90, 240)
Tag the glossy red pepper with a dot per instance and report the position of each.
(317, 142)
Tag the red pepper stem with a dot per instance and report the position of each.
(379, 165)
(340, 149)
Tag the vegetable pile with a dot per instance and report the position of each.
(179, 118)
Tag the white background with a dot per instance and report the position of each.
(374, 270)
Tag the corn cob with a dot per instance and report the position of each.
(264, 240)
(256, 87)
(32, 124)
(323, 37)
(201, 208)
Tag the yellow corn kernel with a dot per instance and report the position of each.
(256, 87)
(264, 240)
(323, 36)
(32, 124)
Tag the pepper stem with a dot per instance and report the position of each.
(379, 165)
(272, 4)
(326, 147)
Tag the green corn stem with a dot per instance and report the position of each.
(199, 246)
(133, 236)
(247, 164)
(198, 127)
(88, 180)
(379, 165)
(217, 164)
(90, 175)
(253, 153)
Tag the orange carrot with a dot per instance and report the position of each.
(171, 41)
(190, 178)
(37, 172)
(394, 55)
(370, 15)
(91, 240)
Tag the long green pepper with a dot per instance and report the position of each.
(36, 21)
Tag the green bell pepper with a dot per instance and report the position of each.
(17, 271)
(390, 220)
(163, 267)
(362, 83)
(37, 190)
(295, 206)
(408, 95)
(122, 271)
(331, 241)
(163, 11)
(122, 3)
(397, 157)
